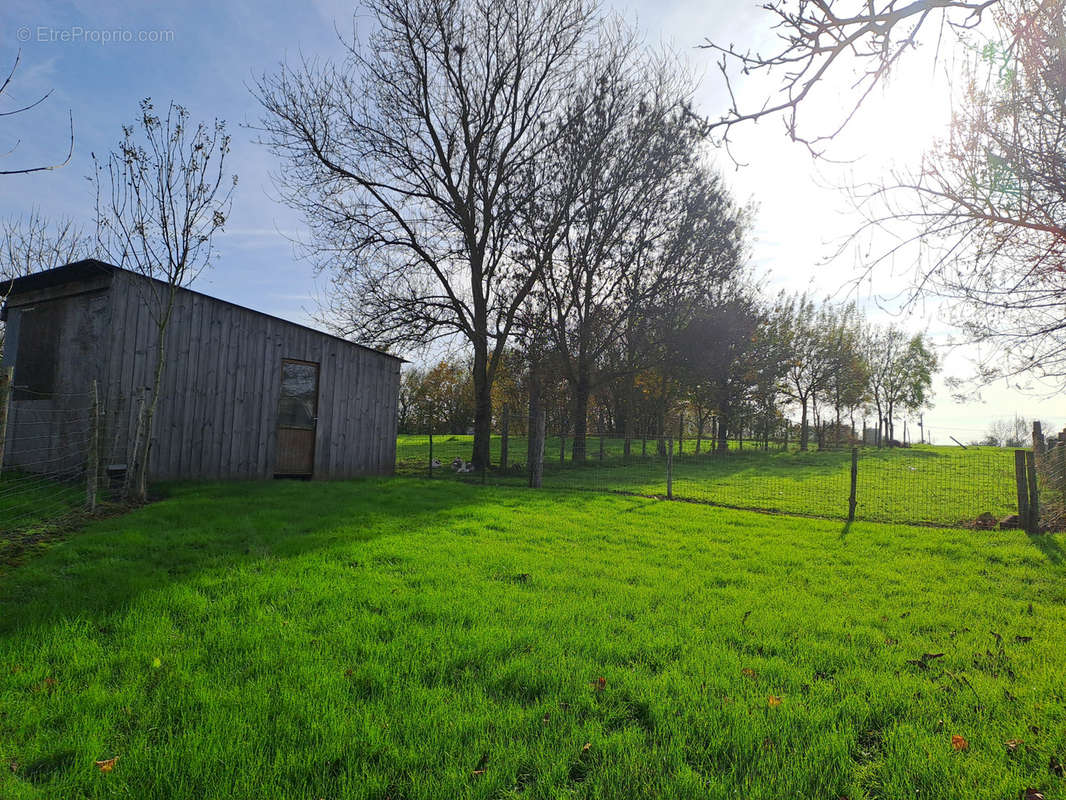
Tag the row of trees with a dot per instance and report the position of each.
(735, 367)
(526, 177)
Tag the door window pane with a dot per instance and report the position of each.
(298, 405)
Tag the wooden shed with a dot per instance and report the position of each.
(244, 394)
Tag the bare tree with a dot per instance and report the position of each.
(410, 161)
(33, 243)
(160, 198)
(819, 42)
(632, 212)
(21, 109)
(985, 213)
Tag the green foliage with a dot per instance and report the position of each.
(393, 638)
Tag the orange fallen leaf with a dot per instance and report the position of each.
(107, 764)
(479, 772)
(599, 684)
(585, 747)
(773, 701)
(1013, 744)
(959, 743)
(748, 672)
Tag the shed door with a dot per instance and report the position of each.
(297, 416)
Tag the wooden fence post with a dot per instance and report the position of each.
(5, 403)
(92, 462)
(854, 483)
(670, 470)
(504, 435)
(1021, 480)
(1034, 493)
(1038, 439)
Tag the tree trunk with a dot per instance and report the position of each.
(805, 432)
(482, 408)
(582, 390)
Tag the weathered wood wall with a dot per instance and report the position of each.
(217, 412)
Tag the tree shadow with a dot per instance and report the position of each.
(1049, 545)
(208, 527)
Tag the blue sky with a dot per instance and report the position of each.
(206, 55)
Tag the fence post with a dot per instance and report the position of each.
(431, 454)
(644, 444)
(1038, 439)
(536, 452)
(681, 433)
(670, 470)
(504, 434)
(5, 402)
(1021, 480)
(1034, 493)
(92, 463)
(854, 483)
(601, 447)
(562, 449)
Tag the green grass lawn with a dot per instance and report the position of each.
(922, 484)
(415, 639)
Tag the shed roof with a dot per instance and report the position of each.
(90, 268)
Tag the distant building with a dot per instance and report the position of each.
(244, 395)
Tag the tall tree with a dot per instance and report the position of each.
(639, 217)
(411, 159)
(161, 196)
(808, 354)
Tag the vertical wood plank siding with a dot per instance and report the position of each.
(217, 411)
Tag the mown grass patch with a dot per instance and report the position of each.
(415, 639)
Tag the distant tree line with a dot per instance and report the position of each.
(736, 368)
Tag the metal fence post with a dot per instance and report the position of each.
(1021, 480)
(1034, 493)
(5, 402)
(670, 470)
(92, 463)
(854, 483)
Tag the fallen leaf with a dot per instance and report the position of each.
(585, 747)
(547, 717)
(748, 672)
(599, 684)
(13, 766)
(481, 765)
(1032, 794)
(1013, 744)
(107, 764)
(959, 743)
(349, 672)
(564, 706)
(1056, 766)
(773, 701)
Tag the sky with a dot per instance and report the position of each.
(100, 59)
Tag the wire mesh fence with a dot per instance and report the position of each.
(1050, 467)
(921, 484)
(47, 444)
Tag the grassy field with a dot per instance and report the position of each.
(415, 639)
(922, 484)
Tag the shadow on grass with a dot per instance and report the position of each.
(1048, 545)
(208, 527)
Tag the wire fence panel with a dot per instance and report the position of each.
(1051, 483)
(922, 484)
(54, 458)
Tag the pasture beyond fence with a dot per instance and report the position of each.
(974, 487)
